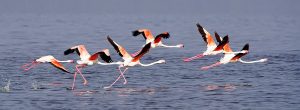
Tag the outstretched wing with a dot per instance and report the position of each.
(120, 50)
(145, 49)
(218, 38)
(80, 50)
(206, 36)
(222, 44)
(239, 55)
(164, 35)
(104, 55)
(58, 65)
(146, 33)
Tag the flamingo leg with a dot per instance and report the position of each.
(121, 73)
(78, 67)
(193, 58)
(210, 66)
(27, 64)
(33, 64)
(74, 79)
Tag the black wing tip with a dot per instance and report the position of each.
(109, 60)
(148, 45)
(218, 38)
(136, 33)
(246, 47)
(216, 33)
(66, 71)
(62, 69)
(164, 35)
(109, 39)
(226, 38)
(199, 26)
(68, 51)
(105, 57)
(167, 35)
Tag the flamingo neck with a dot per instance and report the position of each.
(171, 46)
(112, 63)
(80, 62)
(153, 63)
(255, 61)
(66, 61)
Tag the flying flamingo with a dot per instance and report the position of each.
(87, 59)
(47, 59)
(232, 57)
(212, 47)
(155, 42)
(128, 60)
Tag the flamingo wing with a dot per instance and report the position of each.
(80, 50)
(120, 50)
(58, 65)
(222, 44)
(104, 55)
(227, 48)
(145, 32)
(206, 36)
(218, 38)
(164, 35)
(239, 55)
(145, 49)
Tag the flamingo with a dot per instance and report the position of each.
(233, 57)
(130, 61)
(155, 42)
(47, 59)
(86, 59)
(212, 47)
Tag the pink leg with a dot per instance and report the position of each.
(74, 79)
(34, 64)
(210, 66)
(193, 58)
(27, 64)
(133, 55)
(78, 70)
(122, 73)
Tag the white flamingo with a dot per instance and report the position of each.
(47, 59)
(233, 57)
(155, 42)
(128, 60)
(211, 47)
(87, 59)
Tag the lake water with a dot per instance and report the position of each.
(174, 85)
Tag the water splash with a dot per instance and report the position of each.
(35, 85)
(6, 88)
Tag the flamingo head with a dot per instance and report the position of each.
(70, 61)
(161, 61)
(180, 45)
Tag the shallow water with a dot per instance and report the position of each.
(174, 85)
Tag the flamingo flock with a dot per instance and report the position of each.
(129, 60)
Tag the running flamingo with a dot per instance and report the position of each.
(155, 42)
(47, 59)
(232, 57)
(211, 47)
(87, 59)
(128, 60)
